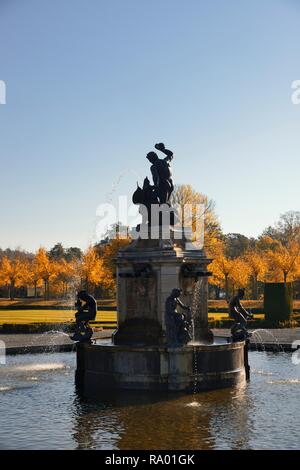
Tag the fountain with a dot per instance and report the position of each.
(148, 270)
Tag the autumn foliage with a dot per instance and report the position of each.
(60, 277)
(273, 257)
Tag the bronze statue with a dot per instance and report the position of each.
(159, 193)
(145, 197)
(178, 325)
(240, 315)
(161, 173)
(86, 307)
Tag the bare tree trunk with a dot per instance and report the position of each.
(255, 288)
(217, 292)
(12, 290)
(226, 287)
(45, 289)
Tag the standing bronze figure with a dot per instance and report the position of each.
(240, 316)
(178, 325)
(162, 173)
(86, 307)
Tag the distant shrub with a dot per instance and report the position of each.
(278, 303)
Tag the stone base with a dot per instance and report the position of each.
(162, 369)
(147, 272)
(139, 332)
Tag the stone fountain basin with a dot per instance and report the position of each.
(192, 368)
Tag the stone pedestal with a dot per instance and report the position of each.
(147, 272)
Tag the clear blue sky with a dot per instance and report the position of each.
(92, 85)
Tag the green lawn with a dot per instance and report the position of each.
(107, 318)
(39, 311)
(23, 317)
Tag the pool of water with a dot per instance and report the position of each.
(41, 409)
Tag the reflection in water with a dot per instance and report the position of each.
(40, 408)
(95, 425)
(166, 421)
(135, 421)
(234, 419)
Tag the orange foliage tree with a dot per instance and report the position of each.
(68, 277)
(221, 268)
(12, 273)
(184, 195)
(46, 269)
(91, 268)
(284, 262)
(33, 277)
(257, 266)
(109, 255)
(227, 273)
(239, 274)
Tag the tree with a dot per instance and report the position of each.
(289, 226)
(184, 194)
(265, 244)
(239, 274)
(67, 274)
(109, 255)
(33, 276)
(257, 265)
(57, 252)
(284, 262)
(12, 273)
(221, 268)
(73, 253)
(91, 268)
(237, 244)
(286, 229)
(46, 269)
(117, 230)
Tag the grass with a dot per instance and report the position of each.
(259, 304)
(225, 316)
(107, 318)
(7, 303)
(221, 304)
(24, 317)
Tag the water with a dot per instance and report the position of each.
(195, 370)
(195, 304)
(56, 333)
(261, 333)
(40, 409)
